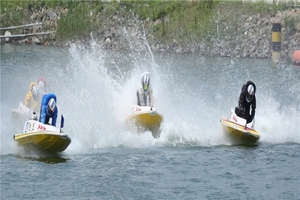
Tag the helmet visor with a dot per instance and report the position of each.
(49, 110)
(145, 86)
(249, 97)
(51, 106)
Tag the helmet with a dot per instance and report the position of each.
(146, 81)
(42, 84)
(35, 93)
(51, 106)
(250, 93)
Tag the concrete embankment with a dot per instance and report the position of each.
(234, 34)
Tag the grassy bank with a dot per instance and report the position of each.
(166, 20)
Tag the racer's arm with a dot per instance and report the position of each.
(253, 106)
(151, 99)
(138, 98)
(54, 117)
(43, 114)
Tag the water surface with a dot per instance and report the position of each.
(193, 158)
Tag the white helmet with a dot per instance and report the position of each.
(51, 106)
(41, 86)
(35, 93)
(145, 81)
(250, 93)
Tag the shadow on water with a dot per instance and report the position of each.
(239, 143)
(245, 145)
(34, 154)
(49, 159)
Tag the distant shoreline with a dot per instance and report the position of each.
(225, 32)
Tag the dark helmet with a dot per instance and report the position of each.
(51, 106)
(145, 81)
(250, 93)
(35, 93)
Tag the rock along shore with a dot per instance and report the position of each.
(252, 37)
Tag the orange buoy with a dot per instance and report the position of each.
(296, 58)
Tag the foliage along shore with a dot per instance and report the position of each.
(211, 28)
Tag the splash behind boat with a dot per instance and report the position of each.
(20, 115)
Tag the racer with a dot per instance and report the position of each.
(247, 102)
(145, 92)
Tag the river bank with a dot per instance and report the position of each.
(224, 31)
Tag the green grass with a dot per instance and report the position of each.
(74, 24)
(290, 24)
(169, 20)
(18, 12)
(179, 18)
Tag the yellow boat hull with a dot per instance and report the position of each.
(44, 140)
(145, 121)
(239, 132)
